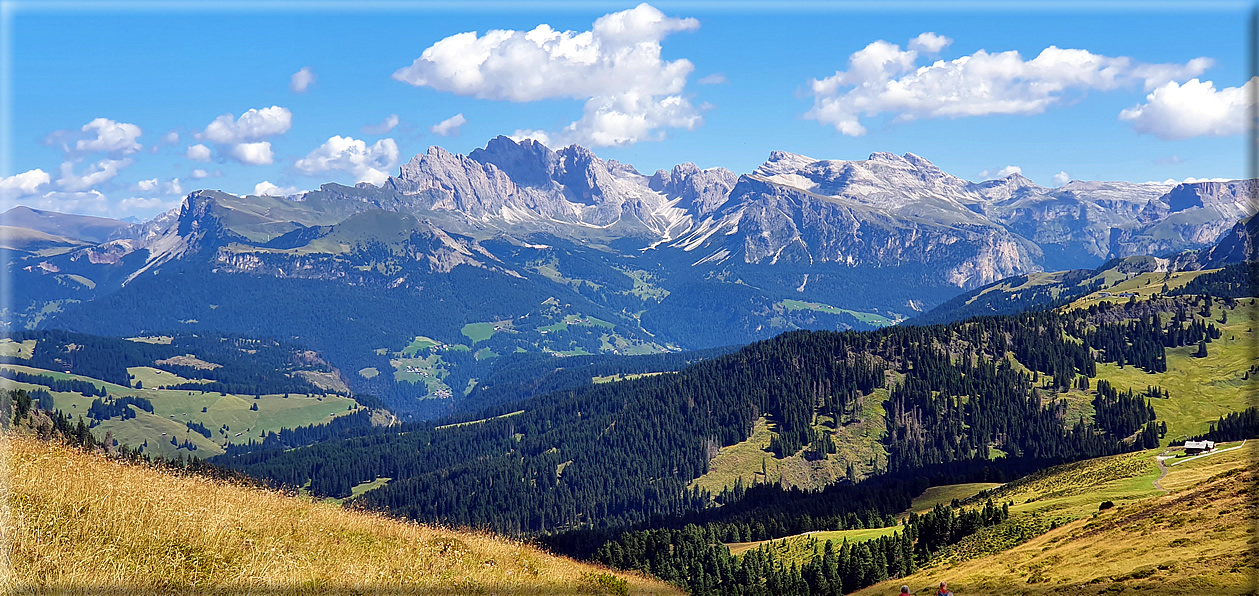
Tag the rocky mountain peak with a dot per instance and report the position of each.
(921, 163)
(782, 162)
(886, 156)
(1014, 186)
(703, 191)
(528, 163)
(1223, 196)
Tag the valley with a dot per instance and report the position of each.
(717, 299)
(498, 252)
(684, 375)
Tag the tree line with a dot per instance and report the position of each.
(624, 453)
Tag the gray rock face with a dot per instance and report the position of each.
(1189, 216)
(1072, 224)
(702, 191)
(880, 212)
(528, 163)
(509, 183)
(768, 221)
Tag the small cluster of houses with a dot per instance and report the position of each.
(1120, 294)
(412, 369)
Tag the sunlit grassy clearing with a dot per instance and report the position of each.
(1201, 389)
(419, 343)
(153, 339)
(944, 495)
(858, 443)
(868, 318)
(802, 547)
(147, 376)
(471, 422)
(17, 349)
(173, 408)
(478, 331)
(613, 378)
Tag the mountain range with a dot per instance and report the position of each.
(519, 248)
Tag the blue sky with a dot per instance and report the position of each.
(719, 87)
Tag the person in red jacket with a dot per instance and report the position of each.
(905, 590)
(944, 590)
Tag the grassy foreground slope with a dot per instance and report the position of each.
(82, 523)
(1195, 537)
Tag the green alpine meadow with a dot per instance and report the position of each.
(806, 299)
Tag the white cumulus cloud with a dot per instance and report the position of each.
(1191, 180)
(171, 187)
(171, 138)
(449, 126)
(199, 174)
(1062, 178)
(267, 189)
(147, 204)
(1001, 173)
(109, 136)
(713, 79)
(536, 135)
(347, 154)
(882, 79)
(198, 152)
(91, 201)
(26, 183)
(301, 80)
(384, 127)
(252, 125)
(97, 173)
(929, 43)
(1194, 109)
(254, 154)
(631, 94)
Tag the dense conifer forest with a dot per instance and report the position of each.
(236, 364)
(622, 453)
(1237, 280)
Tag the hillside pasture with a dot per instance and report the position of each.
(800, 548)
(1198, 539)
(85, 524)
(946, 494)
(172, 409)
(17, 349)
(1201, 389)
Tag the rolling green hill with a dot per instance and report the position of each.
(720, 451)
(804, 409)
(176, 395)
(1114, 281)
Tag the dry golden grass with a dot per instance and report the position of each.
(1195, 541)
(82, 523)
(1187, 473)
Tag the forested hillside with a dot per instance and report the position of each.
(983, 394)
